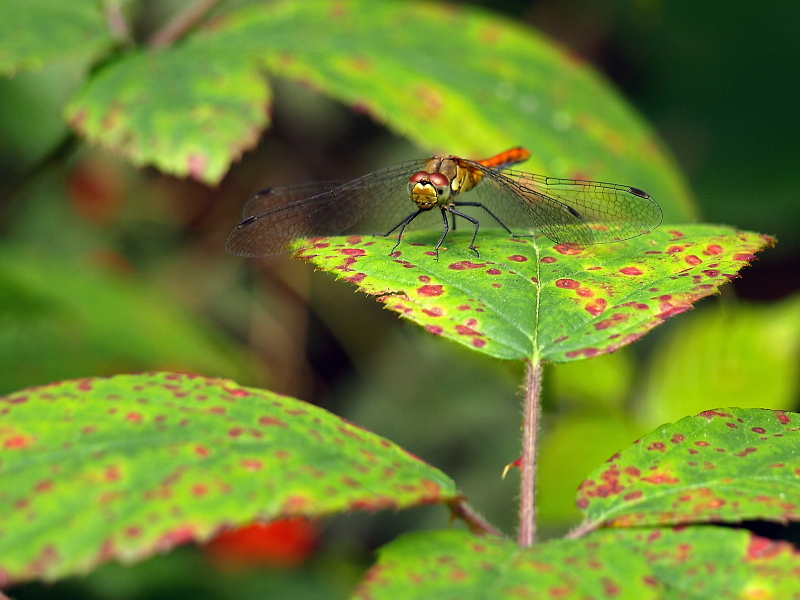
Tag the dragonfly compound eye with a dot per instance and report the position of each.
(428, 189)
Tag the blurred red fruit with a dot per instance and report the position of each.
(282, 543)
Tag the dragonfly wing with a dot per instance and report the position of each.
(275, 197)
(279, 217)
(581, 213)
(510, 202)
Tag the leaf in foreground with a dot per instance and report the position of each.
(725, 465)
(695, 562)
(524, 298)
(131, 465)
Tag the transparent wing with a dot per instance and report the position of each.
(568, 211)
(278, 217)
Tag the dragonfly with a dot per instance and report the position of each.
(570, 212)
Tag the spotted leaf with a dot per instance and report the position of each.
(696, 562)
(36, 32)
(127, 466)
(724, 465)
(523, 298)
(450, 79)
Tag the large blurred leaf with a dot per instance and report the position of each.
(35, 32)
(732, 354)
(694, 563)
(124, 467)
(450, 79)
(61, 319)
(722, 465)
(525, 298)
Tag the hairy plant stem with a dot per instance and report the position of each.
(530, 427)
(181, 24)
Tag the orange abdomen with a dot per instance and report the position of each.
(506, 159)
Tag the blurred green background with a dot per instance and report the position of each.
(105, 268)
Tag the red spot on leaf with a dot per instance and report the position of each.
(251, 464)
(760, 548)
(238, 392)
(199, 489)
(746, 451)
(465, 264)
(759, 430)
(134, 417)
(615, 319)
(659, 478)
(357, 278)
(17, 442)
(424, 279)
(597, 307)
(710, 414)
(353, 251)
(518, 258)
(548, 259)
(782, 417)
(744, 256)
(677, 438)
(430, 290)
(659, 446)
(493, 271)
(434, 329)
(478, 342)
(567, 249)
(693, 260)
(567, 284)
(674, 249)
(587, 352)
(43, 486)
(436, 311)
(630, 271)
(713, 250)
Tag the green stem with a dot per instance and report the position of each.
(530, 427)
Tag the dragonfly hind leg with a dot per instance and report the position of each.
(494, 216)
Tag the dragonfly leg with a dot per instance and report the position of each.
(444, 232)
(402, 225)
(491, 214)
(471, 220)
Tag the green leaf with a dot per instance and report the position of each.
(131, 465)
(36, 32)
(189, 112)
(724, 465)
(454, 80)
(696, 563)
(524, 298)
(732, 354)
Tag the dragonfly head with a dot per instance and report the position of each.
(428, 189)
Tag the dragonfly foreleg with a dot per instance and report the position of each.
(402, 225)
